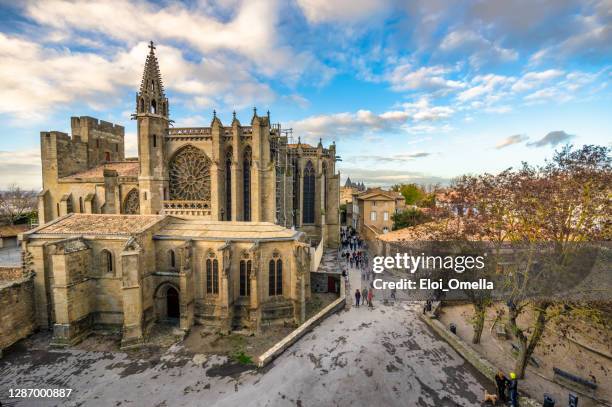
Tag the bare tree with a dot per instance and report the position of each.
(16, 203)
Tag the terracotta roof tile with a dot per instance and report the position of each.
(98, 224)
(123, 168)
(12, 230)
(225, 230)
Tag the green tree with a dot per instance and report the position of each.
(412, 193)
(408, 217)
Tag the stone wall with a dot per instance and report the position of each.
(16, 307)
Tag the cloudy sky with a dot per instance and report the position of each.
(409, 90)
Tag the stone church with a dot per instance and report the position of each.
(214, 225)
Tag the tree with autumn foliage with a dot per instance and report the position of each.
(544, 213)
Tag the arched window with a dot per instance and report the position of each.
(142, 106)
(309, 194)
(275, 276)
(296, 189)
(245, 278)
(69, 207)
(228, 184)
(246, 184)
(153, 107)
(172, 258)
(106, 261)
(154, 140)
(212, 276)
(81, 204)
(324, 192)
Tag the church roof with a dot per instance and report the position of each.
(97, 224)
(219, 230)
(123, 168)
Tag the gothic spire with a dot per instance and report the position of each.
(151, 77)
(151, 98)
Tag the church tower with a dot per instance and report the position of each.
(153, 119)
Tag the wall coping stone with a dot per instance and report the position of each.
(470, 355)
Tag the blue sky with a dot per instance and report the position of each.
(410, 91)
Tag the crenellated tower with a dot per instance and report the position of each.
(153, 120)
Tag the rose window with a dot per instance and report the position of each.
(190, 175)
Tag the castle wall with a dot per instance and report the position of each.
(17, 309)
(105, 140)
(93, 142)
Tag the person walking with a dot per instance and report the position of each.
(370, 296)
(513, 390)
(364, 294)
(502, 384)
(357, 297)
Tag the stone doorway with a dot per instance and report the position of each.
(172, 303)
(167, 303)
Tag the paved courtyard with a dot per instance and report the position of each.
(359, 357)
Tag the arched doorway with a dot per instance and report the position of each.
(167, 303)
(172, 303)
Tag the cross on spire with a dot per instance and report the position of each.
(151, 46)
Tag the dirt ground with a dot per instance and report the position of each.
(553, 351)
(201, 340)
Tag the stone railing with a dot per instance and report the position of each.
(272, 353)
(189, 131)
(187, 208)
(316, 254)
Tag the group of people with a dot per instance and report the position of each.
(353, 249)
(364, 297)
(349, 239)
(357, 259)
(507, 389)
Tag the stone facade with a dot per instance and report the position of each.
(209, 225)
(218, 172)
(373, 210)
(126, 272)
(16, 306)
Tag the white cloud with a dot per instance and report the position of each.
(533, 79)
(38, 79)
(348, 124)
(480, 49)
(404, 157)
(422, 110)
(510, 140)
(485, 86)
(347, 11)
(250, 32)
(387, 177)
(21, 167)
(405, 77)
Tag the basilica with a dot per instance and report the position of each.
(217, 225)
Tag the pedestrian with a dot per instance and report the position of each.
(513, 390)
(370, 296)
(502, 384)
(364, 294)
(357, 297)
